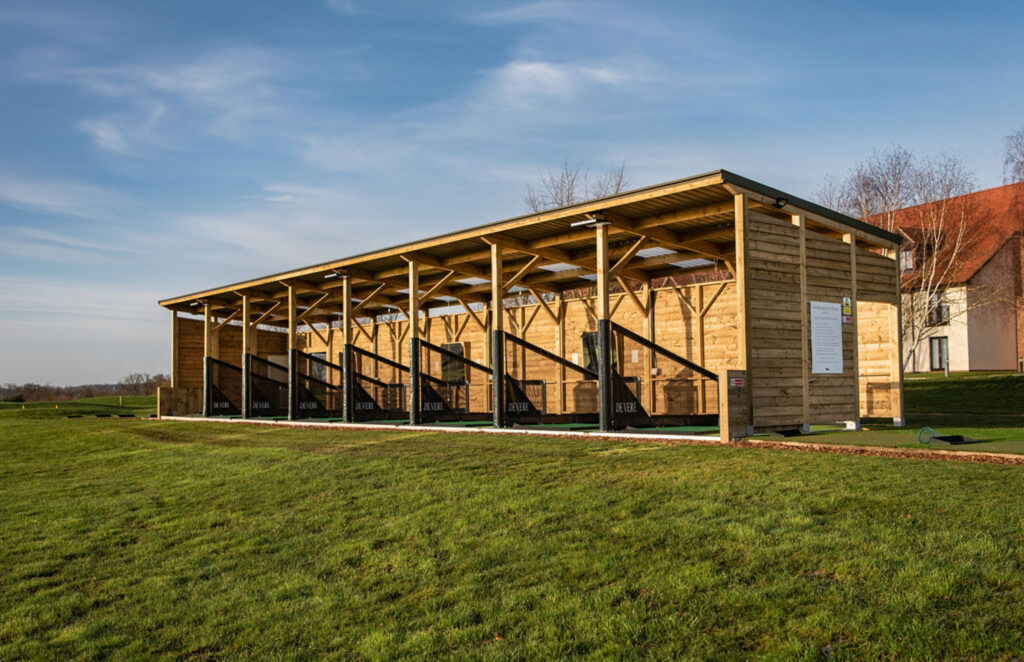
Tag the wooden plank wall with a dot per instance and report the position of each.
(775, 364)
(227, 346)
(876, 381)
(775, 367)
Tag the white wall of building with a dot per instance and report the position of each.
(991, 319)
(956, 334)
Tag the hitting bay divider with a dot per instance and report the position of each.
(319, 387)
(678, 384)
(380, 387)
(533, 385)
(452, 387)
(526, 385)
(267, 394)
(223, 393)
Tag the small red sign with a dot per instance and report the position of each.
(737, 382)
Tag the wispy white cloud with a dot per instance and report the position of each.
(524, 83)
(61, 246)
(64, 197)
(223, 92)
(284, 225)
(530, 12)
(70, 24)
(343, 6)
(106, 136)
(30, 297)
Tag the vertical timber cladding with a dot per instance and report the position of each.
(678, 329)
(775, 326)
(227, 343)
(775, 365)
(879, 336)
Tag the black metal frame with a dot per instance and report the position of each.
(215, 401)
(364, 406)
(434, 406)
(518, 407)
(625, 408)
(262, 401)
(307, 386)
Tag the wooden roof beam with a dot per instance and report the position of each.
(665, 237)
(557, 255)
(686, 215)
(302, 285)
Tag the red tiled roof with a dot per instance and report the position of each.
(996, 214)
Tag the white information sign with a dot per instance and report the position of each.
(826, 338)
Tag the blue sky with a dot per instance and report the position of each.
(153, 149)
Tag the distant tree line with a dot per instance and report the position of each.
(137, 383)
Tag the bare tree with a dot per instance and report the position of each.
(1013, 156)
(572, 183)
(876, 188)
(925, 199)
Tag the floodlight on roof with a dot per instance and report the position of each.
(593, 220)
(781, 202)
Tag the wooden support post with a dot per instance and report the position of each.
(293, 359)
(702, 395)
(742, 214)
(855, 367)
(604, 350)
(175, 337)
(414, 343)
(497, 337)
(733, 407)
(560, 349)
(207, 367)
(347, 413)
(246, 354)
(650, 359)
(805, 325)
(375, 348)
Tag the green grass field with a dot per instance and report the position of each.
(136, 538)
(140, 538)
(108, 405)
(988, 407)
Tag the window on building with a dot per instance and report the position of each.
(940, 352)
(907, 260)
(938, 311)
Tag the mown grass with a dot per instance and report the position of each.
(965, 393)
(988, 407)
(134, 539)
(108, 405)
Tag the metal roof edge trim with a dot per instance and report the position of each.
(813, 207)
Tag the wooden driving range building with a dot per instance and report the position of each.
(704, 304)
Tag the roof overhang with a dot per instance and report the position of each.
(679, 226)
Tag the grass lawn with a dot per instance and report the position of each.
(984, 406)
(135, 538)
(109, 405)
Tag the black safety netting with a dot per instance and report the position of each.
(541, 387)
(380, 387)
(651, 385)
(268, 388)
(453, 387)
(319, 386)
(224, 388)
